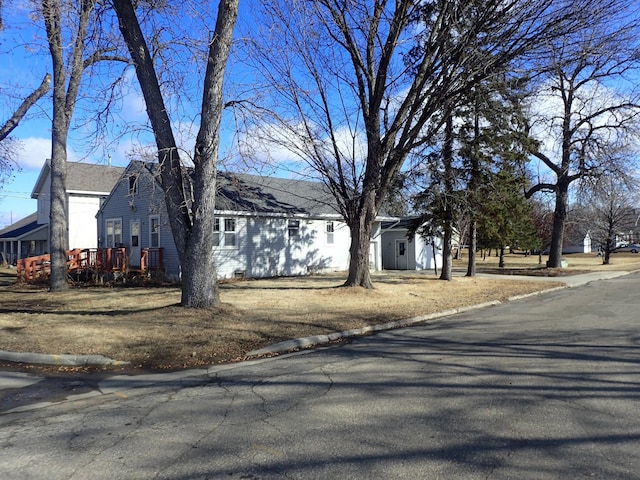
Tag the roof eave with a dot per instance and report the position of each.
(44, 171)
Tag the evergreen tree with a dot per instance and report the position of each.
(506, 218)
(492, 133)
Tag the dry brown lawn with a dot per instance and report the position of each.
(146, 327)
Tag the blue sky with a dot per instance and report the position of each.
(24, 60)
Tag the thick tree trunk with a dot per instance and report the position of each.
(192, 230)
(360, 221)
(58, 203)
(58, 222)
(359, 250)
(359, 269)
(473, 243)
(199, 282)
(501, 261)
(559, 218)
(199, 279)
(66, 85)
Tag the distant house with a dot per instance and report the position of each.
(87, 186)
(264, 226)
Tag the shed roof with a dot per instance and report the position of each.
(400, 223)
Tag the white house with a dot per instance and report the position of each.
(87, 186)
(264, 226)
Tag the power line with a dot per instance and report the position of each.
(9, 194)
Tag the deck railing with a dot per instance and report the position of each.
(100, 260)
(151, 259)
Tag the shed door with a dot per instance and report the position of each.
(401, 255)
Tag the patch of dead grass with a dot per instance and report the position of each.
(145, 326)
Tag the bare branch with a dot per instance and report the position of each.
(101, 56)
(24, 107)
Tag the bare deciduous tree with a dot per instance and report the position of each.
(73, 31)
(67, 76)
(608, 211)
(591, 106)
(357, 86)
(191, 217)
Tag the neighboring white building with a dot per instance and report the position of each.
(87, 187)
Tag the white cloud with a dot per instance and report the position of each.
(33, 151)
(290, 147)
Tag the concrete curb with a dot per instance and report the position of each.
(46, 359)
(305, 342)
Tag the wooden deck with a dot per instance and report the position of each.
(90, 261)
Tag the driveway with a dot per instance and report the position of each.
(543, 388)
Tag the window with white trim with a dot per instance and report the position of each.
(224, 232)
(113, 232)
(154, 231)
(329, 230)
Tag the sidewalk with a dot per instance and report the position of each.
(570, 281)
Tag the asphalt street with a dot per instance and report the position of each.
(547, 387)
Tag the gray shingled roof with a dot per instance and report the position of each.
(241, 192)
(83, 177)
(91, 177)
(253, 193)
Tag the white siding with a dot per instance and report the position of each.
(44, 206)
(424, 254)
(83, 230)
(265, 249)
(419, 252)
(44, 202)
